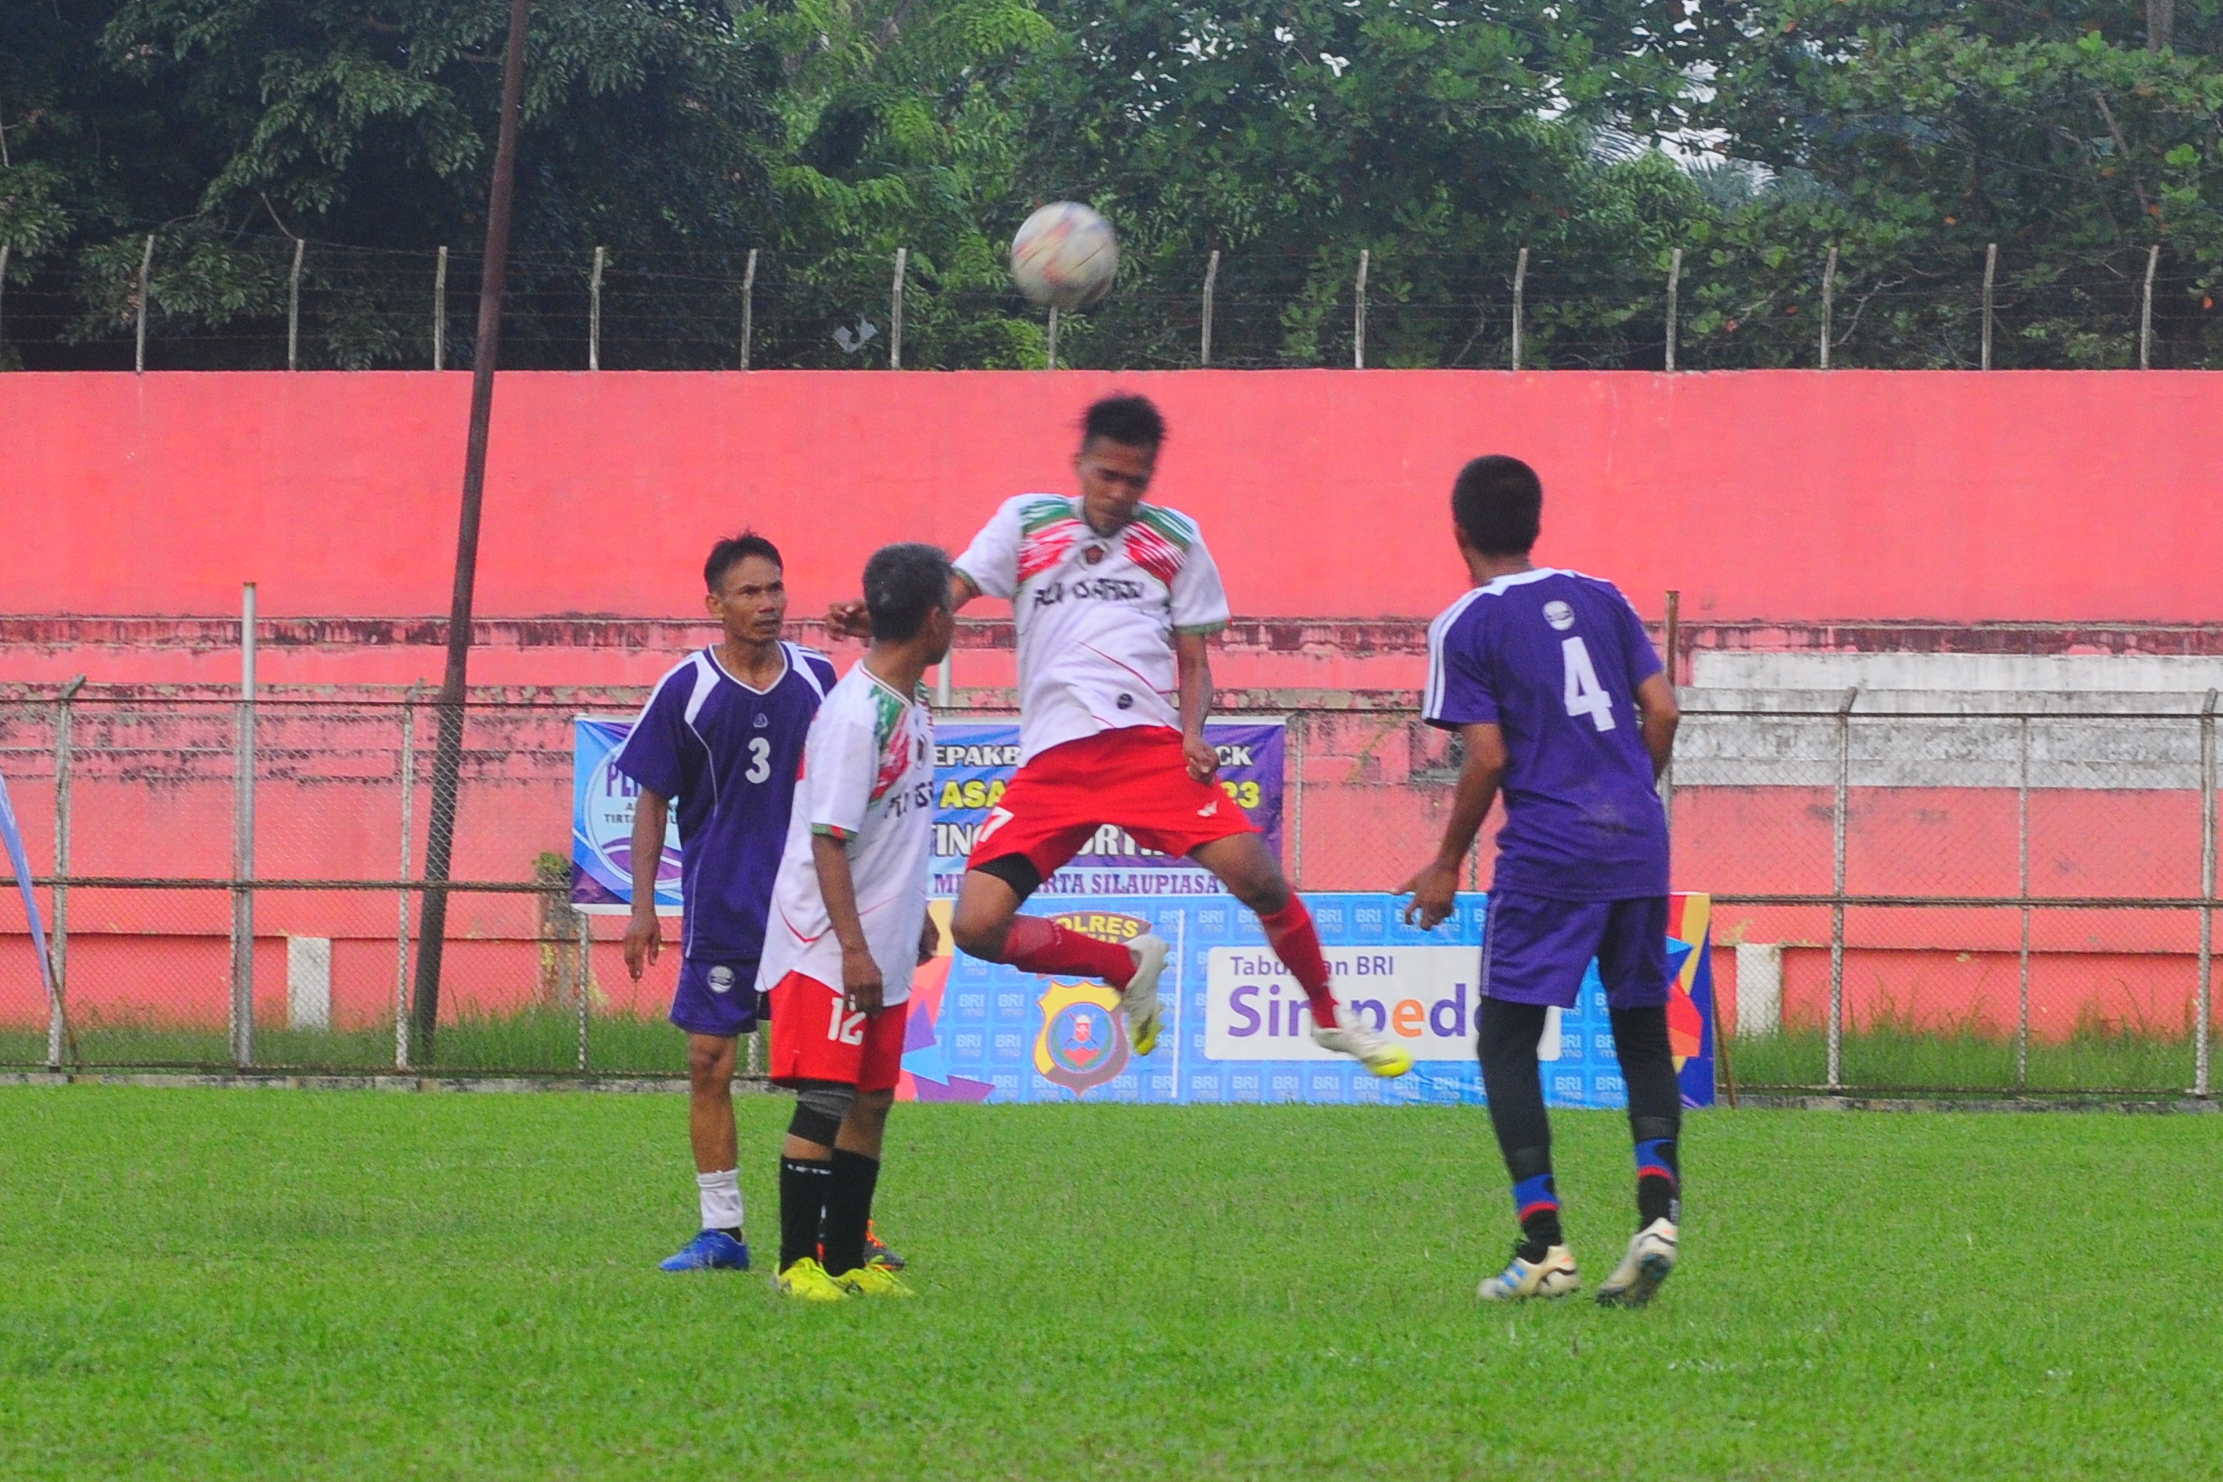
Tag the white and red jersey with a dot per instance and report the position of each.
(1096, 614)
(868, 781)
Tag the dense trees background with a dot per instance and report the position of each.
(1289, 136)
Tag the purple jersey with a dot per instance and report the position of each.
(1554, 658)
(728, 755)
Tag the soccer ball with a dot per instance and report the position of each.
(1065, 256)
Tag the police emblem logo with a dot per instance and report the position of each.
(1559, 615)
(1083, 1041)
(1092, 555)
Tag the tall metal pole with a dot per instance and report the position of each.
(1837, 888)
(1673, 635)
(139, 333)
(1674, 293)
(57, 1013)
(1049, 354)
(2205, 997)
(2022, 866)
(401, 930)
(243, 845)
(447, 758)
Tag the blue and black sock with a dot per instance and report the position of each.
(1659, 1182)
(1536, 1202)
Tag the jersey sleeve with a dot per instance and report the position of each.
(991, 562)
(1460, 691)
(1199, 601)
(651, 754)
(839, 767)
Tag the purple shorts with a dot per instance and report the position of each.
(717, 998)
(1536, 950)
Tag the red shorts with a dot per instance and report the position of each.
(1136, 778)
(816, 1038)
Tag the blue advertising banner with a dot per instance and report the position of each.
(1237, 1027)
(602, 800)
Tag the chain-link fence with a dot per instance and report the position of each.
(333, 306)
(1907, 895)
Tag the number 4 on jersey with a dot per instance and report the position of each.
(1585, 696)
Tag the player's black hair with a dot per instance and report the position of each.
(902, 584)
(1499, 503)
(1126, 419)
(726, 553)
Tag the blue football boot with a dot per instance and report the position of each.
(711, 1250)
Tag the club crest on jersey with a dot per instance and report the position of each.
(762, 720)
(1092, 555)
(721, 979)
(1559, 615)
(1083, 1042)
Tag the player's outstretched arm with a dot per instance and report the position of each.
(1655, 703)
(1192, 656)
(860, 974)
(1434, 888)
(644, 934)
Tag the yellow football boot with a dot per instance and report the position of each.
(807, 1281)
(873, 1279)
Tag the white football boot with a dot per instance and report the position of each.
(1650, 1260)
(1553, 1276)
(1139, 999)
(1377, 1052)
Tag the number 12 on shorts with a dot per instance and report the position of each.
(842, 1027)
(1585, 696)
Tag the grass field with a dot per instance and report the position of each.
(1883, 1057)
(291, 1284)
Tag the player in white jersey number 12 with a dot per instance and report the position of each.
(1115, 600)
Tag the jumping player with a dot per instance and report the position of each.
(1115, 600)
(722, 733)
(849, 926)
(1549, 679)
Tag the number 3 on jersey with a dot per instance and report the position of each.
(1585, 696)
(760, 759)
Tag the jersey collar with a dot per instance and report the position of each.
(787, 663)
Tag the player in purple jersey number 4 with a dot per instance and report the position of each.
(1553, 686)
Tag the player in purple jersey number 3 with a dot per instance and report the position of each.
(720, 739)
(1552, 684)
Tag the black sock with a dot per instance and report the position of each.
(803, 1189)
(848, 1209)
(1655, 1111)
(734, 1231)
(1506, 1044)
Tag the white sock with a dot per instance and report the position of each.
(721, 1199)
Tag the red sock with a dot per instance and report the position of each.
(1036, 944)
(1298, 946)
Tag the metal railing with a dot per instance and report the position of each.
(1905, 895)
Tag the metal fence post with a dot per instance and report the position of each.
(2200, 1033)
(895, 317)
(748, 307)
(1296, 737)
(594, 314)
(243, 845)
(2146, 311)
(1520, 294)
(293, 306)
(1991, 271)
(1674, 300)
(1829, 302)
(2022, 889)
(440, 313)
(1836, 1077)
(139, 311)
(57, 1012)
(1673, 637)
(1049, 348)
(1211, 281)
(586, 942)
(401, 930)
(1358, 314)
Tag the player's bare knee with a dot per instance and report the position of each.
(710, 1063)
(980, 933)
(869, 1112)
